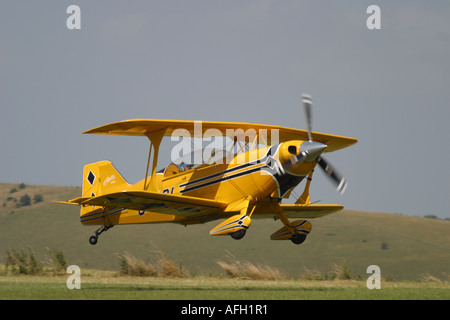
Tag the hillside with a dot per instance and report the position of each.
(404, 247)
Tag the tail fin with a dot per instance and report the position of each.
(100, 178)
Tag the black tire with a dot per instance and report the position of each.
(299, 238)
(238, 234)
(93, 240)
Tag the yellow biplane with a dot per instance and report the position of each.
(268, 162)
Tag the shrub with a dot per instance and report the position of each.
(34, 265)
(58, 261)
(38, 198)
(25, 200)
(20, 262)
(342, 271)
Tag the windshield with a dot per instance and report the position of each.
(199, 158)
(205, 156)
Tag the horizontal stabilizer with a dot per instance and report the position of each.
(67, 202)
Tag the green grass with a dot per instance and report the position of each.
(211, 288)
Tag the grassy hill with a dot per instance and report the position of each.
(405, 247)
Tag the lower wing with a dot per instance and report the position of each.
(309, 211)
(154, 202)
(302, 211)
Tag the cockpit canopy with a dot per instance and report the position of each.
(197, 159)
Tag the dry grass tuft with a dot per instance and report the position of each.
(342, 271)
(162, 267)
(433, 279)
(309, 274)
(247, 270)
(132, 266)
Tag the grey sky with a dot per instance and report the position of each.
(246, 60)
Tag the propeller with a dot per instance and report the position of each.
(313, 149)
(337, 179)
(306, 98)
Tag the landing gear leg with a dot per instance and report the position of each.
(238, 235)
(94, 239)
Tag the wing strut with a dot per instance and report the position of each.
(148, 165)
(155, 141)
(304, 198)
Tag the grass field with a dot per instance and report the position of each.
(106, 285)
(407, 249)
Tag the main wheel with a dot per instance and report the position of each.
(93, 240)
(238, 234)
(299, 238)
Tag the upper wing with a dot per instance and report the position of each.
(302, 211)
(240, 130)
(154, 202)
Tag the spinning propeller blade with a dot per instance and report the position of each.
(324, 164)
(334, 176)
(306, 98)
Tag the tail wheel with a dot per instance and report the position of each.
(93, 240)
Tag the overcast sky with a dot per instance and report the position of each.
(246, 60)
